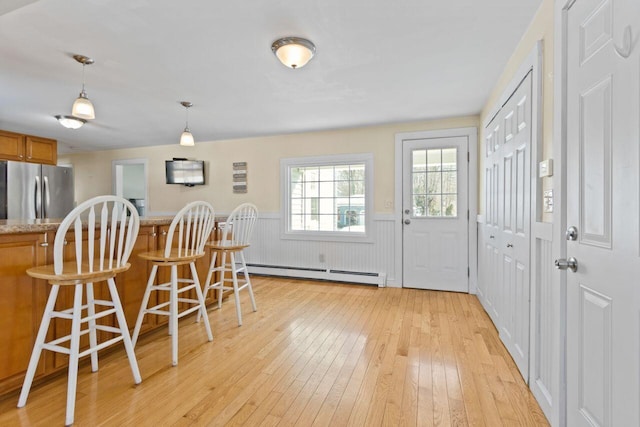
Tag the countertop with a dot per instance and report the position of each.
(17, 226)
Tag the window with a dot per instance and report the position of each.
(435, 183)
(327, 198)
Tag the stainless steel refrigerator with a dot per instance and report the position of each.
(31, 191)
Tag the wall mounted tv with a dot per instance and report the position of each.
(185, 172)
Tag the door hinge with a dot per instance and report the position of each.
(468, 157)
(467, 214)
(468, 272)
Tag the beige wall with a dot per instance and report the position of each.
(541, 28)
(263, 154)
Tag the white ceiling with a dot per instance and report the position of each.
(377, 61)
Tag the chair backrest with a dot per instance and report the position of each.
(239, 225)
(111, 219)
(193, 223)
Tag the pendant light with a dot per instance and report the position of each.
(294, 52)
(186, 139)
(82, 107)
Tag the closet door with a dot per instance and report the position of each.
(515, 198)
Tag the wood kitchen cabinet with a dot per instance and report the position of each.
(28, 148)
(22, 303)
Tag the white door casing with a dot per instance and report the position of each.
(435, 208)
(602, 202)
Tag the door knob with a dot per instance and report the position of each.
(407, 221)
(567, 264)
(509, 245)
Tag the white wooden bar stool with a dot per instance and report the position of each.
(192, 227)
(236, 234)
(114, 233)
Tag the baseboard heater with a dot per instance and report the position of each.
(378, 279)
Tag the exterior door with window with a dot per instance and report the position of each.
(435, 214)
(603, 187)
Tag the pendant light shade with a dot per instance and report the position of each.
(294, 52)
(70, 122)
(186, 139)
(83, 108)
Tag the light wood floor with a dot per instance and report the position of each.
(314, 354)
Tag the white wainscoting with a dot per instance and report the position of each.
(270, 253)
(544, 371)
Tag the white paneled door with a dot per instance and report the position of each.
(603, 174)
(435, 214)
(507, 229)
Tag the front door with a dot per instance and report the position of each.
(435, 214)
(603, 175)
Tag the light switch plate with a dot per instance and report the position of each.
(545, 168)
(547, 201)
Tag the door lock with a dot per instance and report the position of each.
(567, 264)
(571, 233)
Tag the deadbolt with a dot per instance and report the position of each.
(571, 233)
(407, 211)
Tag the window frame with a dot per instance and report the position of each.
(287, 164)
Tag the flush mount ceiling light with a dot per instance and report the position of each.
(294, 52)
(82, 107)
(186, 139)
(70, 122)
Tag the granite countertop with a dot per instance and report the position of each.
(16, 226)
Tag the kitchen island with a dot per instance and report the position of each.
(29, 243)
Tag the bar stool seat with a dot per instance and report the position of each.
(115, 230)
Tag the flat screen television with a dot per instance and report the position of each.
(185, 172)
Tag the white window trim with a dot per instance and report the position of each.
(285, 206)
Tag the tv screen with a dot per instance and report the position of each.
(185, 172)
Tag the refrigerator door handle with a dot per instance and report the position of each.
(46, 198)
(38, 198)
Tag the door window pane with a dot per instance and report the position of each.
(434, 190)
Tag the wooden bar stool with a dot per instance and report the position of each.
(115, 230)
(192, 227)
(235, 238)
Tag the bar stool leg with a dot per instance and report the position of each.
(173, 318)
(93, 340)
(236, 293)
(223, 273)
(74, 349)
(203, 307)
(207, 283)
(37, 347)
(124, 331)
(246, 278)
(143, 306)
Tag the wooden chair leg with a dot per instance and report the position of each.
(93, 339)
(37, 347)
(203, 307)
(143, 306)
(74, 350)
(124, 331)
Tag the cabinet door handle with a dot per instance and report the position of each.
(164, 232)
(44, 244)
(154, 234)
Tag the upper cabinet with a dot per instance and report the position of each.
(27, 148)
